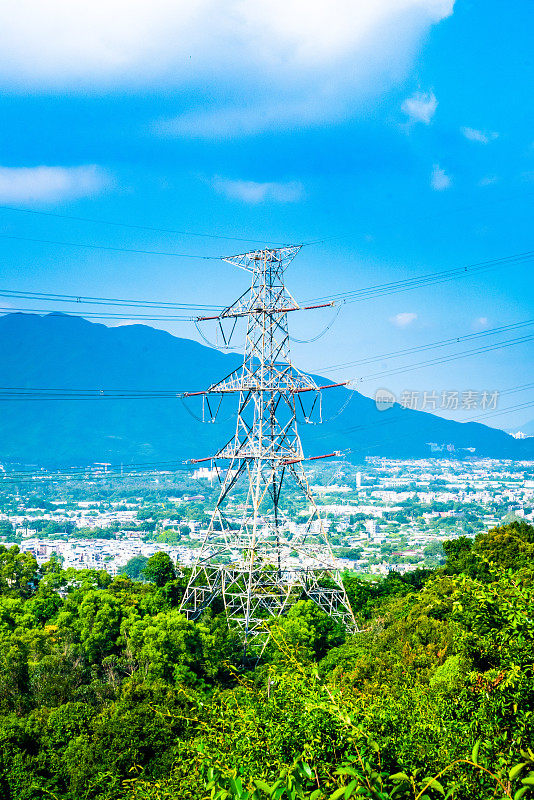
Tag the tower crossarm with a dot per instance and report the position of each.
(288, 461)
(244, 311)
(281, 256)
(239, 385)
(282, 377)
(265, 383)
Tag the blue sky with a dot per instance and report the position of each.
(398, 130)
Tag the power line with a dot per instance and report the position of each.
(369, 292)
(73, 472)
(396, 419)
(520, 388)
(409, 434)
(97, 390)
(24, 393)
(99, 301)
(475, 419)
(499, 411)
(108, 247)
(409, 368)
(133, 227)
(392, 287)
(429, 346)
(112, 470)
(40, 393)
(94, 394)
(110, 467)
(445, 359)
(203, 234)
(97, 315)
(146, 469)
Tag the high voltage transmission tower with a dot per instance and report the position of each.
(262, 565)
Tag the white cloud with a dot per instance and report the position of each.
(61, 42)
(479, 136)
(253, 192)
(321, 58)
(480, 323)
(226, 122)
(439, 179)
(51, 184)
(420, 107)
(403, 319)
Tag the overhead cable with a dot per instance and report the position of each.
(133, 227)
(101, 301)
(356, 295)
(429, 346)
(392, 287)
(108, 247)
(24, 393)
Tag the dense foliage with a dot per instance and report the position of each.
(108, 692)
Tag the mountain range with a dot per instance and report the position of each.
(59, 351)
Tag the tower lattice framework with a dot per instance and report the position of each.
(253, 566)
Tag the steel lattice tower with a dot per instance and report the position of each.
(257, 581)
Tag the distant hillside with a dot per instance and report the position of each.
(527, 428)
(59, 351)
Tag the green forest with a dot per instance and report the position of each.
(107, 692)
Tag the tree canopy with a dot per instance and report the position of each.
(108, 692)
(159, 569)
(134, 568)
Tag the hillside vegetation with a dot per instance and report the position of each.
(107, 692)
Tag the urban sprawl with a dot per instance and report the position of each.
(380, 516)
